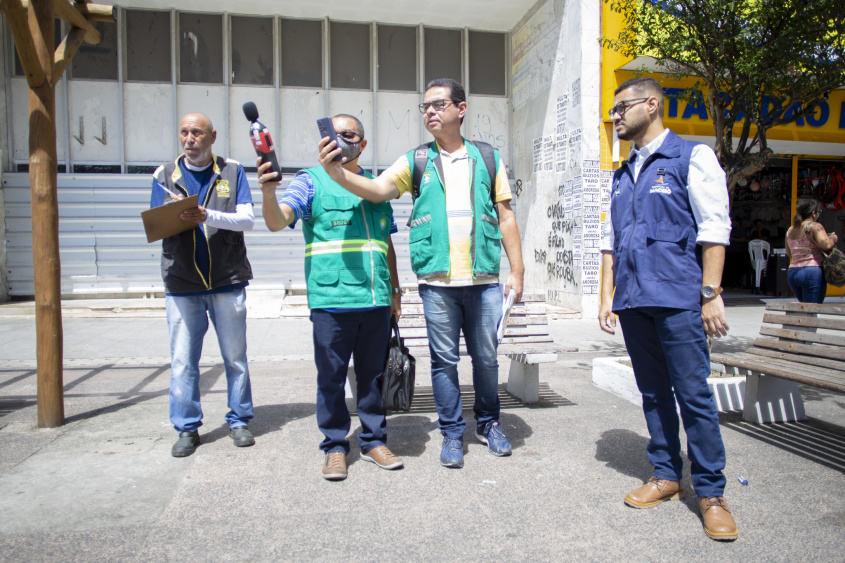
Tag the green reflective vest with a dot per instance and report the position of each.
(429, 235)
(345, 247)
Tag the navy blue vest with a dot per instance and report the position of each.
(656, 261)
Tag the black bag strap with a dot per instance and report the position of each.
(420, 162)
(488, 155)
(394, 332)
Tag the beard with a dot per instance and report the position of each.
(634, 126)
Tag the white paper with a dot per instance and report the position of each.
(507, 304)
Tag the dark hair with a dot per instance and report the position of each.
(358, 125)
(456, 92)
(643, 85)
(804, 209)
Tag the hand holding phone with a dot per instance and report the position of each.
(324, 124)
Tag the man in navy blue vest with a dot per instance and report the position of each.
(205, 272)
(663, 249)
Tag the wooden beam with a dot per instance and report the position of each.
(72, 16)
(65, 52)
(91, 12)
(16, 14)
(97, 12)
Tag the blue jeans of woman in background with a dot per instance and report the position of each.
(807, 284)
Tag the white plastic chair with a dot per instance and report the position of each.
(759, 251)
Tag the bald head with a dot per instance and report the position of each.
(196, 135)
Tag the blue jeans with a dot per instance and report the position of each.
(476, 310)
(187, 318)
(807, 284)
(364, 336)
(668, 350)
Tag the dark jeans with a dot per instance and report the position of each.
(668, 350)
(807, 284)
(362, 335)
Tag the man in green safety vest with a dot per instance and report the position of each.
(353, 288)
(461, 219)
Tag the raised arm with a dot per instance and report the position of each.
(277, 216)
(376, 191)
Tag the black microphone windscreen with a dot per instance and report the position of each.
(250, 111)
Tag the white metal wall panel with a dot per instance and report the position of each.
(103, 249)
(95, 120)
(20, 120)
(150, 132)
(300, 109)
(398, 126)
(240, 146)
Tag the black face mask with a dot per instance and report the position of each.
(347, 149)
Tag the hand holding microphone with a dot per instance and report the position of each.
(260, 137)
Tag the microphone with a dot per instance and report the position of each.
(260, 137)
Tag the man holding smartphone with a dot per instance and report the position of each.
(461, 218)
(353, 288)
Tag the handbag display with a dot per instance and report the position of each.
(399, 376)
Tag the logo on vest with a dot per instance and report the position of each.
(660, 190)
(382, 224)
(222, 187)
(426, 178)
(660, 173)
(341, 223)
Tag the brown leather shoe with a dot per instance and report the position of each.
(382, 457)
(718, 521)
(654, 492)
(334, 468)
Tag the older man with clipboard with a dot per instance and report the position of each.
(205, 272)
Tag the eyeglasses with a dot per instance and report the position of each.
(438, 105)
(623, 106)
(349, 135)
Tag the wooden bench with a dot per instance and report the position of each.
(799, 343)
(526, 343)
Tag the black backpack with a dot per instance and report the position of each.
(399, 376)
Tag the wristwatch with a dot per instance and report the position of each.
(709, 291)
(397, 290)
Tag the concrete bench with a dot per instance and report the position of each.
(790, 350)
(526, 343)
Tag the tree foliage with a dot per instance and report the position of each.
(765, 63)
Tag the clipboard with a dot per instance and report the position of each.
(163, 221)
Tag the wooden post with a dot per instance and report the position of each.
(31, 23)
(45, 225)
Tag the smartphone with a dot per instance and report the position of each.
(324, 124)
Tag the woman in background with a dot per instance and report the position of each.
(805, 241)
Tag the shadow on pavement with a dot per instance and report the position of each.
(813, 439)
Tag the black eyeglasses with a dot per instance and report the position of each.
(623, 106)
(438, 105)
(349, 135)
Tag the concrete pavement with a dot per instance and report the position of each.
(104, 486)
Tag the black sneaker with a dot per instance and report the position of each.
(186, 444)
(241, 436)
